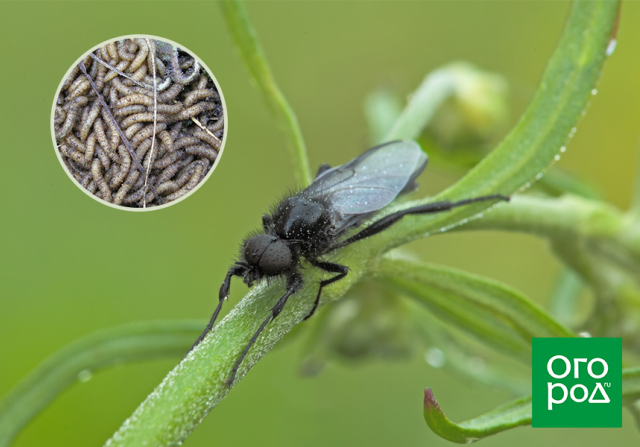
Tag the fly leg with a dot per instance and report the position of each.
(236, 270)
(434, 207)
(341, 271)
(294, 283)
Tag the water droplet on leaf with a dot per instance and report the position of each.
(85, 375)
(435, 357)
(476, 365)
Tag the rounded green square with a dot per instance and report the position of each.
(577, 382)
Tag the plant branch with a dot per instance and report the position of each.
(425, 101)
(600, 224)
(197, 384)
(244, 37)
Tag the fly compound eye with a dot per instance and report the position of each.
(255, 247)
(276, 258)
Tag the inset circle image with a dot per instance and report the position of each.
(139, 123)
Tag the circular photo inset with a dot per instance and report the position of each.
(139, 123)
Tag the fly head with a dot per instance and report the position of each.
(268, 255)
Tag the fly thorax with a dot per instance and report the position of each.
(299, 218)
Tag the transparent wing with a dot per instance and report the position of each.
(372, 180)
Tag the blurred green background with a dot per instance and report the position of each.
(71, 266)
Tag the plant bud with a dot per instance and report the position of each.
(477, 110)
(370, 322)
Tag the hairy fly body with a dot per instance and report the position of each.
(313, 223)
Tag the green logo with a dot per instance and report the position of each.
(577, 382)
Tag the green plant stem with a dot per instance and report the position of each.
(615, 312)
(197, 384)
(423, 104)
(602, 225)
(124, 344)
(244, 37)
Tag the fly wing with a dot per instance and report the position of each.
(372, 180)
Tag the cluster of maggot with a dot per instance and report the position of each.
(138, 123)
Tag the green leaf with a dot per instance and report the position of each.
(466, 359)
(244, 37)
(533, 144)
(485, 308)
(511, 415)
(563, 303)
(630, 385)
(557, 182)
(463, 313)
(132, 342)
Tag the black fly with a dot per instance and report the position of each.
(311, 223)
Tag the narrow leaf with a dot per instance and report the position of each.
(483, 307)
(630, 385)
(463, 358)
(513, 414)
(244, 37)
(458, 310)
(557, 182)
(123, 344)
(563, 304)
